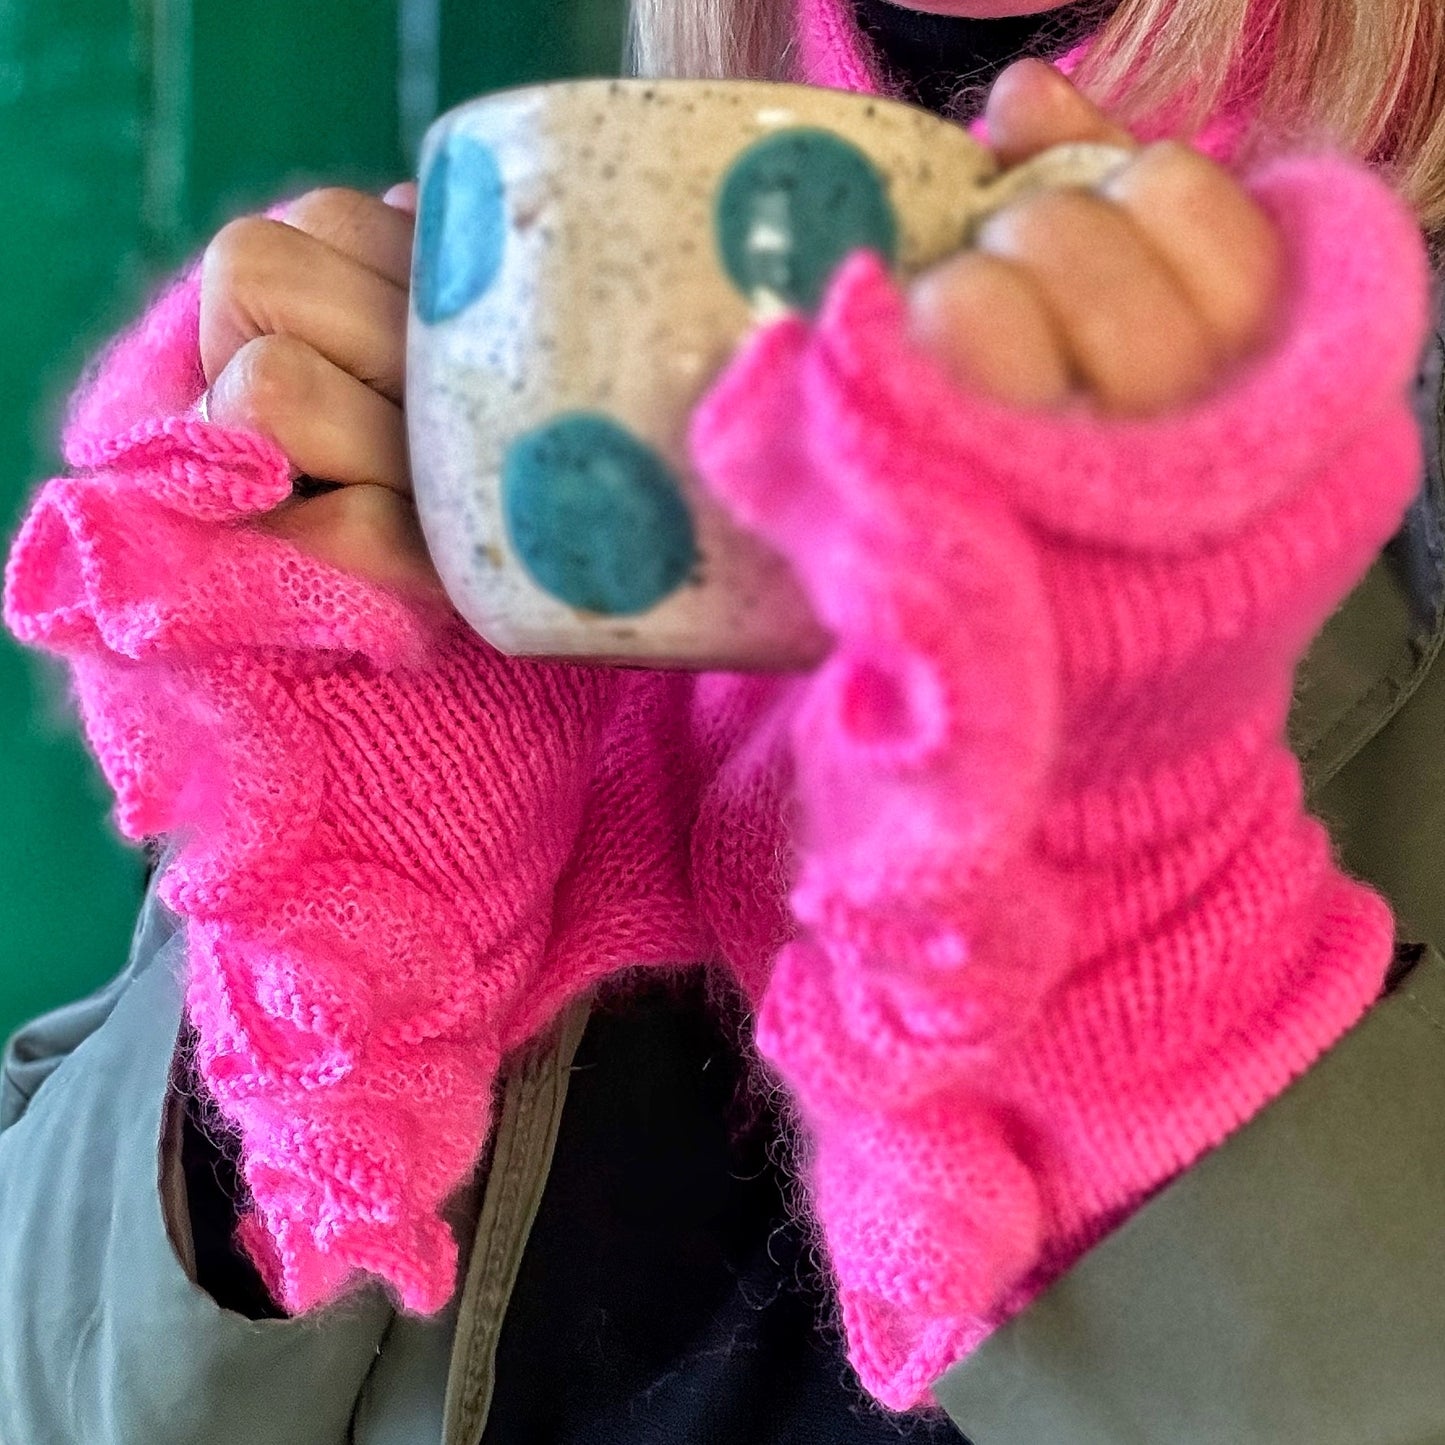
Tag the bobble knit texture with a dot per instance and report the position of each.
(1020, 880)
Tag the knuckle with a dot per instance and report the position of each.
(968, 282)
(1043, 217)
(1178, 154)
(1195, 195)
(238, 255)
(1186, 175)
(272, 379)
(998, 281)
(327, 210)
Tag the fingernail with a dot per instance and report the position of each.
(402, 197)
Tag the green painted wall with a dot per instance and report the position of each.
(129, 130)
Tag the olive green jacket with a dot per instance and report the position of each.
(1289, 1290)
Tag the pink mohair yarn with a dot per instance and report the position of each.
(386, 831)
(1020, 880)
(831, 52)
(1063, 922)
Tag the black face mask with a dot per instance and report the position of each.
(946, 62)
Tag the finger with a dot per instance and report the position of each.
(330, 425)
(1129, 329)
(987, 324)
(262, 278)
(1032, 107)
(361, 226)
(1222, 248)
(368, 531)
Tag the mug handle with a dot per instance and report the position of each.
(1081, 165)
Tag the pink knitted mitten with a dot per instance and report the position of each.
(1062, 920)
(399, 852)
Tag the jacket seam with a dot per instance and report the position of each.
(536, 1093)
(1435, 1023)
(482, 1343)
(1398, 686)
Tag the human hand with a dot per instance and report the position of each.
(1061, 920)
(303, 339)
(1140, 297)
(396, 850)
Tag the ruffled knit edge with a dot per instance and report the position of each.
(138, 575)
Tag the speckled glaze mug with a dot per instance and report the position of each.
(588, 257)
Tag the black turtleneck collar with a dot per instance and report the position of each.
(944, 61)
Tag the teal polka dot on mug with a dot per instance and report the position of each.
(596, 516)
(461, 229)
(792, 207)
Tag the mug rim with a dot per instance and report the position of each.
(612, 85)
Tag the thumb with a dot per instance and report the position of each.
(1033, 106)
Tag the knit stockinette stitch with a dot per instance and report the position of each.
(1020, 877)
(379, 821)
(1063, 922)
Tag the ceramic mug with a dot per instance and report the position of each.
(588, 257)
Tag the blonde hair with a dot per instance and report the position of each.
(1364, 75)
(712, 39)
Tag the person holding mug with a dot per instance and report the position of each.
(525, 1050)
